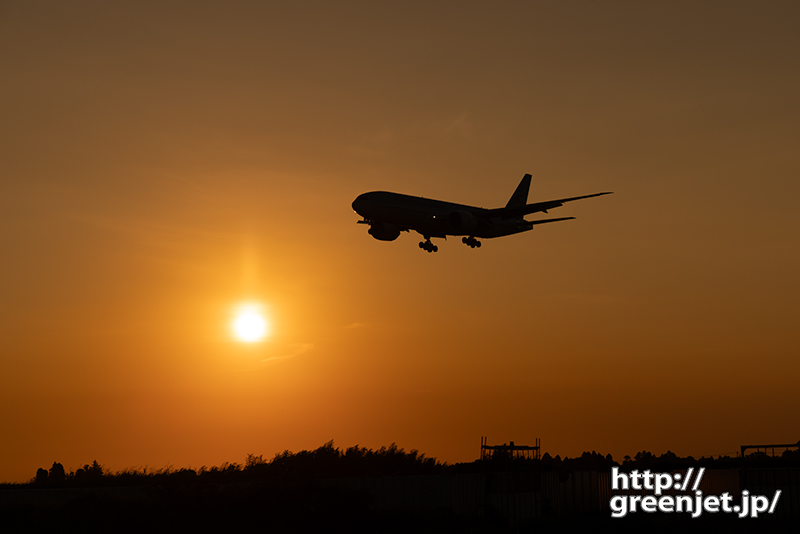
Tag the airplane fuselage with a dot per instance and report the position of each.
(434, 218)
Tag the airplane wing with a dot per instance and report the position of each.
(511, 213)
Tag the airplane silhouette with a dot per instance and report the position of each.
(388, 214)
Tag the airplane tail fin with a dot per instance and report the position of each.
(520, 196)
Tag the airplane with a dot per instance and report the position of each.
(388, 214)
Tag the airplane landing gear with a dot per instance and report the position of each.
(471, 242)
(427, 245)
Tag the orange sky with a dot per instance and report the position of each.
(163, 162)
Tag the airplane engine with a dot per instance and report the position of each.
(383, 231)
(461, 222)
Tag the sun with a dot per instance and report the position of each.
(249, 324)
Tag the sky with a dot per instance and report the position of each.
(165, 163)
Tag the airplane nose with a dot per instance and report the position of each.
(358, 203)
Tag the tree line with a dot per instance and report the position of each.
(328, 461)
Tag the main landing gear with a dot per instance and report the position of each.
(471, 242)
(427, 245)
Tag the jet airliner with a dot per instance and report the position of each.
(388, 214)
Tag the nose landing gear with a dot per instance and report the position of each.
(471, 242)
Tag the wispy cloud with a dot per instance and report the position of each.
(296, 350)
(455, 126)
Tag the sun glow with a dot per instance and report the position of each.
(249, 324)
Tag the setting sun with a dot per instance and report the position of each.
(249, 324)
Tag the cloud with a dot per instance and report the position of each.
(296, 350)
(455, 126)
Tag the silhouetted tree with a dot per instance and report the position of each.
(57, 473)
(89, 473)
(41, 476)
(644, 459)
(668, 456)
(252, 461)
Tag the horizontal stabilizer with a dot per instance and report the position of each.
(542, 221)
